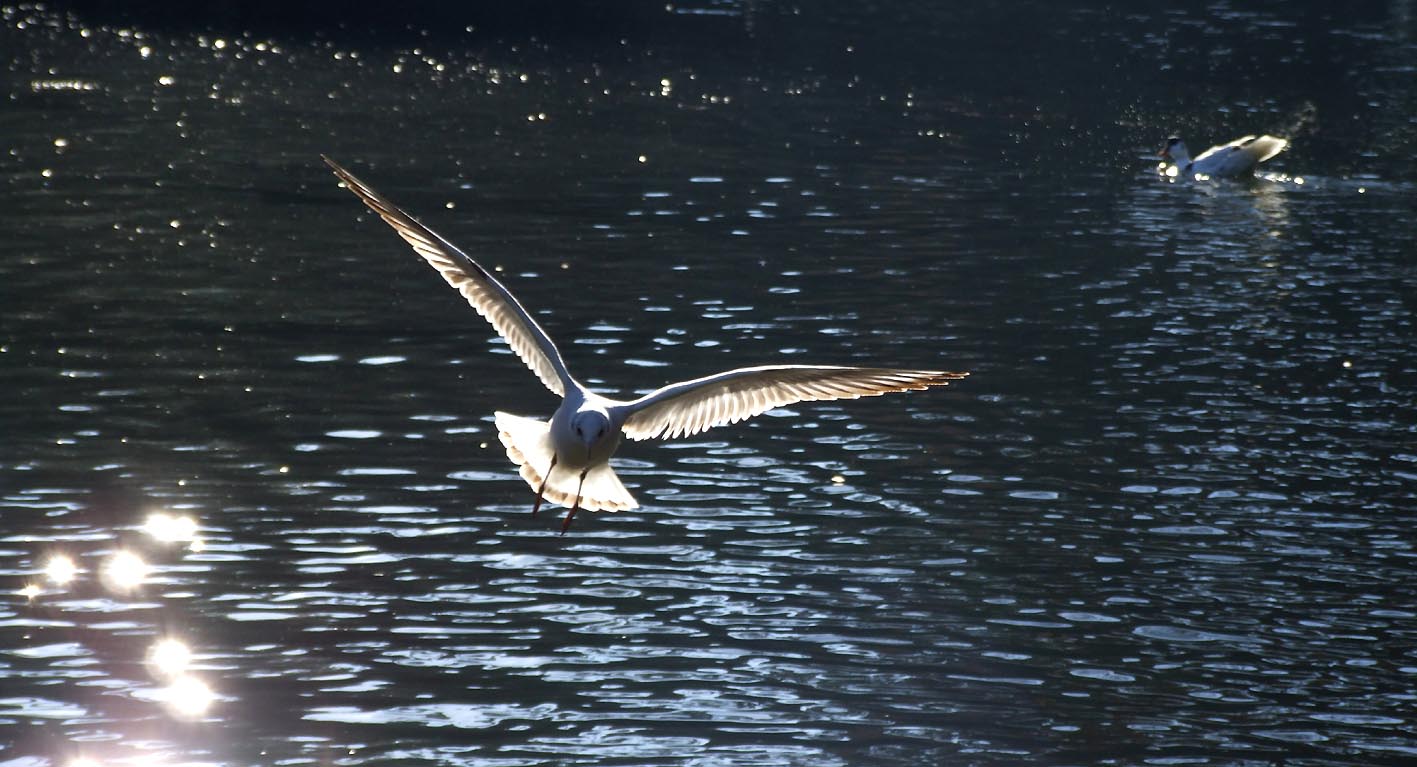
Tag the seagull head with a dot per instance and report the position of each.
(590, 426)
(1174, 148)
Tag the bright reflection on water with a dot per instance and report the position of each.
(169, 658)
(60, 570)
(125, 571)
(255, 508)
(170, 528)
(187, 697)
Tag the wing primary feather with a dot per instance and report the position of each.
(690, 407)
(482, 291)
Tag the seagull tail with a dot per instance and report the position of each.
(528, 443)
(602, 490)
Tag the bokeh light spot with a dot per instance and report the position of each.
(60, 569)
(188, 697)
(169, 658)
(170, 528)
(125, 571)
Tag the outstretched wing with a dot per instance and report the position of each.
(477, 285)
(1266, 147)
(1223, 148)
(689, 407)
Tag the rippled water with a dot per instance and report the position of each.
(1166, 521)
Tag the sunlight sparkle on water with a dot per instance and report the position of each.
(169, 658)
(170, 528)
(188, 697)
(60, 569)
(125, 571)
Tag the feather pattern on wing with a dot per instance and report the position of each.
(475, 283)
(689, 407)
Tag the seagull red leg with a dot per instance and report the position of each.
(567, 524)
(537, 506)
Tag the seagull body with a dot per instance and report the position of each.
(567, 460)
(1237, 158)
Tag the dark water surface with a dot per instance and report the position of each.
(1168, 520)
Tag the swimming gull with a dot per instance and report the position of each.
(1237, 158)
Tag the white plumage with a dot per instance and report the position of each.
(566, 459)
(528, 443)
(1237, 158)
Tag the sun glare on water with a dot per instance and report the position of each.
(60, 570)
(125, 571)
(170, 528)
(169, 658)
(187, 697)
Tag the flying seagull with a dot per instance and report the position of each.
(1238, 158)
(567, 460)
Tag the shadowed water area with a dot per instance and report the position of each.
(1167, 520)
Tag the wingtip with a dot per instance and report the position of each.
(336, 167)
(941, 377)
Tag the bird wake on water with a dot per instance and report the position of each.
(567, 460)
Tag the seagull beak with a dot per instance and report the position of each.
(1165, 152)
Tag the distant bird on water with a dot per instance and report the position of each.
(1238, 158)
(566, 460)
